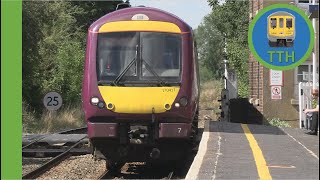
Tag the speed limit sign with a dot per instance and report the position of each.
(52, 101)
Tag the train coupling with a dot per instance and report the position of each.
(138, 134)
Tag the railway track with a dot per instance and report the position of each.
(81, 130)
(109, 175)
(105, 175)
(130, 171)
(51, 145)
(51, 163)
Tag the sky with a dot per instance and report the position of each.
(191, 11)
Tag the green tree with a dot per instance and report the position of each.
(228, 20)
(32, 19)
(54, 36)
(210, 49)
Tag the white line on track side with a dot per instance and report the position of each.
(196, 164)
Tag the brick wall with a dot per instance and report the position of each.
(255, 69)
(259, 88)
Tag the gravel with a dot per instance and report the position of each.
(29, 164)
(75, 167)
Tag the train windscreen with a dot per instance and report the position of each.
(162, 52)
(138, 56)
(273, 22)
(289, 23)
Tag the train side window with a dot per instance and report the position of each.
(289, 23)
(281, 22)
(273, 22)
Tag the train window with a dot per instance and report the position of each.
(273, 22)
(152, 54)
(289, 23)
(281, 22)
(162, 52)
(115, 51)
(304, 73)
(303, 1)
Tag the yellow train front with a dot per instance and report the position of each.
(281, 29)
(141, 87)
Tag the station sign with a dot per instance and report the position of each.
(276, 92)
(281, 37)
(276, 78)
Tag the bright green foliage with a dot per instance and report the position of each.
(210, 49)
(54, 37)
(278, 123)
(228, 20)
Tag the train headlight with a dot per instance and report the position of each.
(110, 106)
(101, 105)
(177, 105)
(183, 101)
(94, 101)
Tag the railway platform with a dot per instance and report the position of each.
(247, 151)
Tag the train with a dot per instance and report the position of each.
(140, 91)
(281, 29)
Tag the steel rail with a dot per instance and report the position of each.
(70, 131)
(104, 175)
(51, 163)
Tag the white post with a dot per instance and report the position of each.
(225, 73)
(314, 54)
(300, 106)
(225, 62)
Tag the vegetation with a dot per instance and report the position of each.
(227, 22)
(54, 37)
(66, 118)
(210, 92)
(277, 122)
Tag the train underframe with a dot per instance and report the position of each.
(142, 142)
(281, 42)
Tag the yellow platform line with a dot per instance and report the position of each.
(261, 164)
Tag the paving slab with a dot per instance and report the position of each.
(225, 153)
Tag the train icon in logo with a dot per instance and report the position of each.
(281, 29)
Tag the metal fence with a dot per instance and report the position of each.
(305, 102)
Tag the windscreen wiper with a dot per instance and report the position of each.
(119, 77)
(153, 72)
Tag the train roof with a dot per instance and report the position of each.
(152, 13)
(280, 13)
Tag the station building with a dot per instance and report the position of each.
(286, 108)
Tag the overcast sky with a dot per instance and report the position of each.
(191, 11)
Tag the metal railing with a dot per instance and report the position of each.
(305, 102)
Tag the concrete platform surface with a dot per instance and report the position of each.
(238, 151)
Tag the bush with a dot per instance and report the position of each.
(279, 123)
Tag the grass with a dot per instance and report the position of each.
(72, 116)
(278, 123)
(48, 122)
(210, 92)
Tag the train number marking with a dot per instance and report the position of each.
(168, 90)
(179, 130)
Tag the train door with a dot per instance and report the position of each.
(281, 28)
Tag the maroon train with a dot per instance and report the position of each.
(141, 86)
